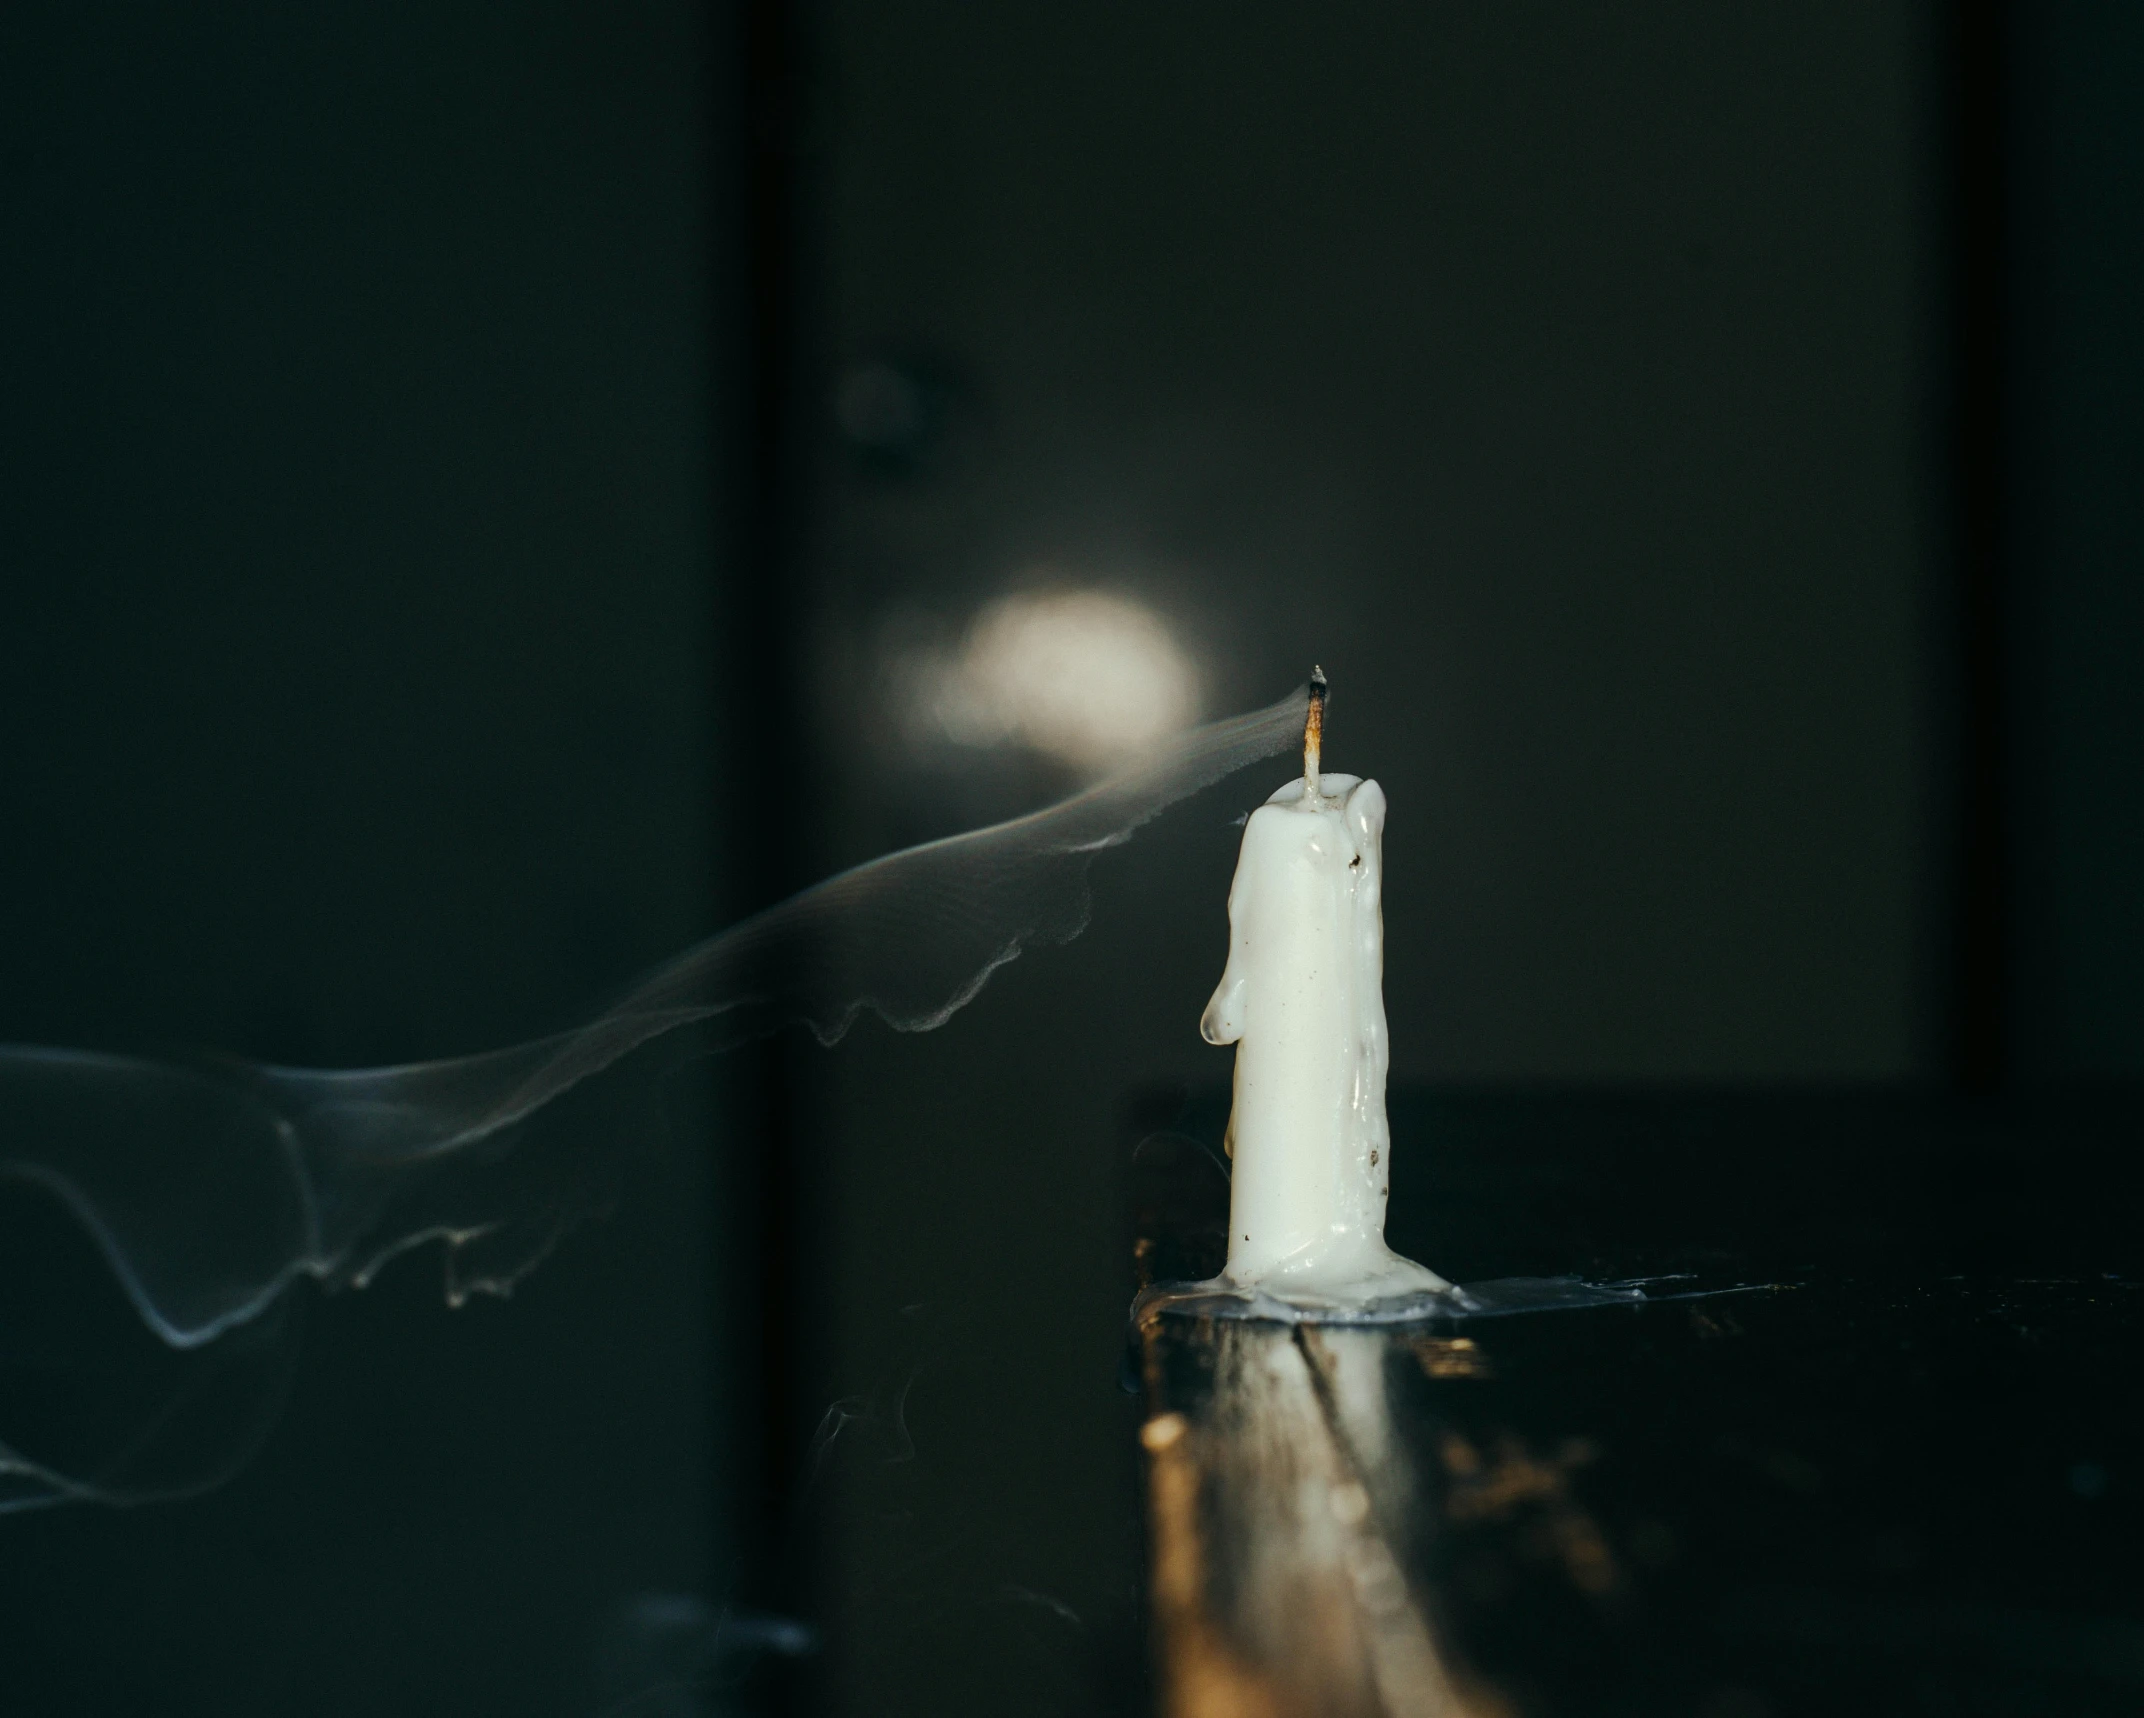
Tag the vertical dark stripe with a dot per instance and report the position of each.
(763, 374)
(1979, 475)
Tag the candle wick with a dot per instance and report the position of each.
(1314, 733)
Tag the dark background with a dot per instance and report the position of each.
(1700, 442)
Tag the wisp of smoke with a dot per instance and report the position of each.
(211, 1188)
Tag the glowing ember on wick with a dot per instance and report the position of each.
(1302, 999)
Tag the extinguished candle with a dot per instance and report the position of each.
(1302, 999)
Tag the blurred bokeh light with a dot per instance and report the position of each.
(1086, 677)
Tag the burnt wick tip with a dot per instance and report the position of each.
(1314, 732)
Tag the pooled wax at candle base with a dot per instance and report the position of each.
(1302, 1000)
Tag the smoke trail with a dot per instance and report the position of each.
(211, 1188)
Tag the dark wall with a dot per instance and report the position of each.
(2077, 440)
(354, 520)
(354, 706)
(1560, 377)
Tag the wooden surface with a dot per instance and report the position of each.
(1288, 1511)
(1821, 1497)
(1874, 1444)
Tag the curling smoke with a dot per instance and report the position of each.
(211, 1189)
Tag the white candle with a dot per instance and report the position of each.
(1302, 999)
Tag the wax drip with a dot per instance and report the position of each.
(1499, 1298)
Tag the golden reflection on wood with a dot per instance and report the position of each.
(1282, 1506)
